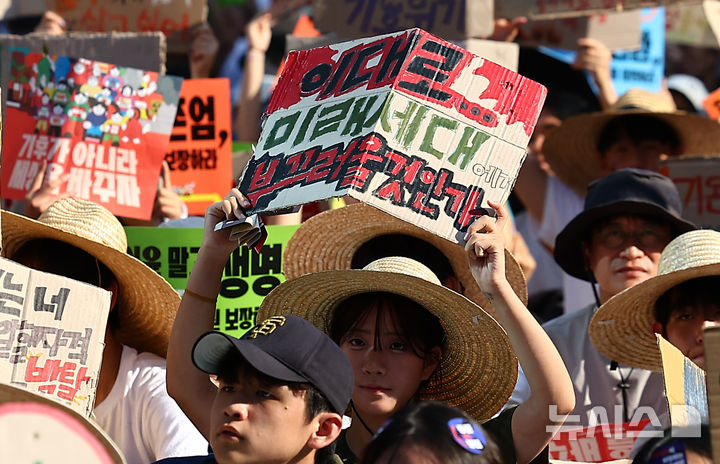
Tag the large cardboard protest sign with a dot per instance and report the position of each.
(698, 182)
(684, 387)
(247, 278)
(449, 19)
(171, 17)
(418, 127)
(550, 9)
(52, 333)
(696, 24)
(104, 127)
(200, 150)
(600, 443)
(617, 31)
(711, 343)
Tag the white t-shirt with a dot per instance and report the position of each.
(141, 418)
(562, 204)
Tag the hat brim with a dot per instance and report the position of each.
(13, 394)
(329, 241)
(146, 302)
(211, 348)
(478, 369)
(568, 250)
(621, 329)
(571, 149)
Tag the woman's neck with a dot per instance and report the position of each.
(358, 435)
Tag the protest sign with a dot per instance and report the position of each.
(643, 68)
(506, 54)
(695, 24)
(247, 278)
(171, 17)
(617, 31)
(10, 9)
(449, 19)
(551, 9)
(711, 342)
(415, 126)
(101, 127)
(52, 334)
(684, 387)
(200, 149)
(601, 443)
(697, 179)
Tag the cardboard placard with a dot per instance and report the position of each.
(506, 54)
(171, 17)
(106, 127)
(449, 19)
(52, 334)
(698, 182)
(711, 342)
(552, 9)
(684, 387)
(247, 278)
(694, 24)
(411, 124)
(601, 443)
(617, 31)
(10, 9)
(200, 150)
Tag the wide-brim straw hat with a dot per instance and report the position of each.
(146, 302)
(478, 368)
(328, 241)
(572, 152)
(636, 192)
(621, 329)
(70, 427)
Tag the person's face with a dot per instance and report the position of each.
(388, 375)
(684, 329)
(546, 123)
(626, 154)
(624, 251)
(257, 422)
(409, 454)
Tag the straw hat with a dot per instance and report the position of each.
(478, 369)
(621, 329)
(146, 302)
(35, 428)
(328, 241)
(572, 151)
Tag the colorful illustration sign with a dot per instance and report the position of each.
(411, 124)
(698, 182)
(200, 150)
(52, 334)
(449, 19)
(248, 276)
(103, 128)
(601, 443)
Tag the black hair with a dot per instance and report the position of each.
(638, 128)
(692, 293)
(403, 245)
(64, 259)
(425, 424)
(699, 445)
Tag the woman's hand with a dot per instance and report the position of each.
(231, 208)
(486, 250)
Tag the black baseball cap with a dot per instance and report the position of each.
(287, 348)
(625, 191)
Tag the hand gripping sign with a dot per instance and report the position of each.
(406, 122)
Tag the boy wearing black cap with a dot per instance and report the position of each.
(281, 392)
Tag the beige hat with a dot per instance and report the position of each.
(478, 368)
(146, 302)
(621, 329)
(572, 151)
(329, 241)
(35, 428)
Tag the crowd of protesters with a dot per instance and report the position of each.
(386, 343)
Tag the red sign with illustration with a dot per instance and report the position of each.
(103, 130)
